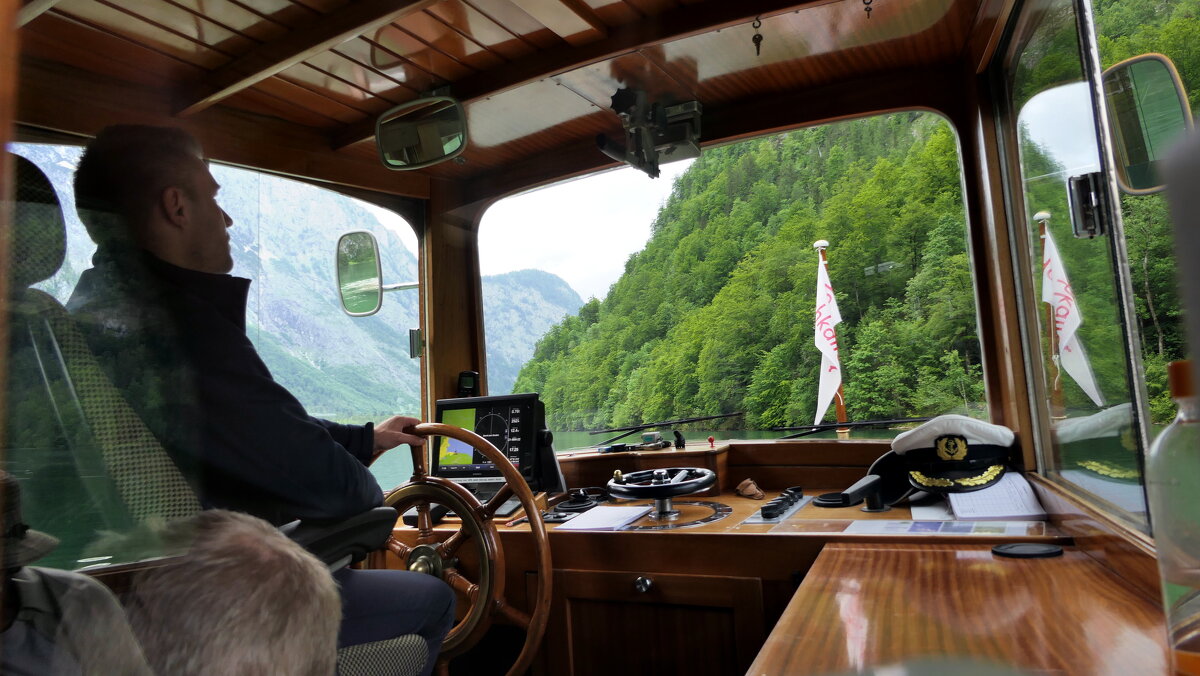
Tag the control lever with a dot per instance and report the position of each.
(868, 488)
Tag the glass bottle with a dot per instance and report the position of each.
(1172, 481)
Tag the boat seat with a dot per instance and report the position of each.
(70, 430)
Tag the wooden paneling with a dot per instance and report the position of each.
(320, 34)
(595, 469)
(389, 64)
(600, 624)
(1128, 553)
(32, 10)
(863, 606)
(452, 298)
(671, 25)
(66, 99)
(469, 22)
(158, 38)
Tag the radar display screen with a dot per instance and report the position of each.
(509, 422)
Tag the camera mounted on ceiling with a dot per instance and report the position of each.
(654, 133)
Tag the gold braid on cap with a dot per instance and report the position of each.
(991, 473)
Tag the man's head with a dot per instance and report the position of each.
(244, 600)
(150, 188)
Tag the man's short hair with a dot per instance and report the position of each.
(122, 174)
(244, 600)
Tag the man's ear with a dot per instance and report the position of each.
(175, 206)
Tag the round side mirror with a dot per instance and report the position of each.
(1149, 112)
(359, 276)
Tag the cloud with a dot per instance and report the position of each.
(582, 230)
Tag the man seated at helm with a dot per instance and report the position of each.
(167, 324)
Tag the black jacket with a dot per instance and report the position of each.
(174, 341)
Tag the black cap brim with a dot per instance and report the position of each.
(893, 473)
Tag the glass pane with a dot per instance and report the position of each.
(341, 368)
(702, 302)
(1127, 29)
(1083, 353)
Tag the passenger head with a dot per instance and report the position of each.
(143, 187)
(244, 600)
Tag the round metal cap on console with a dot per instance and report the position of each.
(1027, 550)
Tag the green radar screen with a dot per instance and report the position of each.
(491, 426)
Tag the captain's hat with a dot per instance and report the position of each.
(954, 454)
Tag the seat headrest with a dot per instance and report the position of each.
(39, 242)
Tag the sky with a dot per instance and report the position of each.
(1060, 120)
(581, 230)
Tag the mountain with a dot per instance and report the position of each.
(284, 237)
(519, 307)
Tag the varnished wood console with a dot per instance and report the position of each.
(865, 606)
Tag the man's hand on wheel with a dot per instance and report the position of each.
(394, 431)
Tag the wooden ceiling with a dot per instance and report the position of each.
(294, 86)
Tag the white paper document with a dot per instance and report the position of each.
(607, 517)
(1009, 498)
(938, 510)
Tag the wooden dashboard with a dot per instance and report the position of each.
(812, 594)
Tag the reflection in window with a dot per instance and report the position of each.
(1095, 441)
(341, 368)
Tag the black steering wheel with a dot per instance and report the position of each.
(660, 484)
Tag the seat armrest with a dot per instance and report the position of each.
(342, 541)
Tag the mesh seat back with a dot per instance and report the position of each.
(401, 656)
(62, 400)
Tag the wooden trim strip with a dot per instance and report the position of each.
(9, 50)
(320, 34)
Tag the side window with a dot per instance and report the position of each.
(704, 303)
(341, 368)
(1108, 315)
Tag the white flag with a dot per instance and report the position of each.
(1056, 290)
(825, 337)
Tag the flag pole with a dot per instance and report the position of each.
(1057, 409)
(839, 399)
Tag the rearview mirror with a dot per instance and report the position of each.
(1149, 112)
(359, 276)
(421, 133)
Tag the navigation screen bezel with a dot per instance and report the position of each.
(522, 454)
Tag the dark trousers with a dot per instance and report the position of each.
(383, 604)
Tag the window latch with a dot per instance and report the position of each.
(1087, 197)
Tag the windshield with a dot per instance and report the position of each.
(696, 294)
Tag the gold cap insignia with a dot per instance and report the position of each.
(951, 447)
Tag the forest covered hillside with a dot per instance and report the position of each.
(714, 315)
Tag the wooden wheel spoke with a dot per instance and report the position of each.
(399, 549)
(511, 615)
(424, 522)
(501, 496)
(453, 542)
(459, 583)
